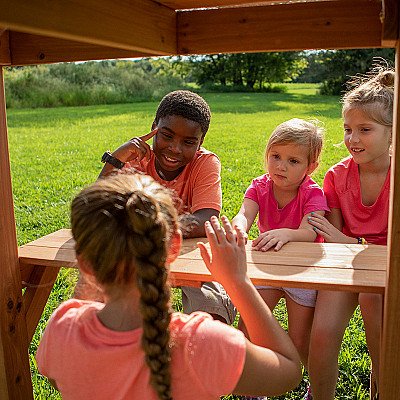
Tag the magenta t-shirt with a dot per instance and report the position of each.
(343, 190)
(310, 197)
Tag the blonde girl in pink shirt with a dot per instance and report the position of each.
(283, 199)
(357, 190)
(132, 346)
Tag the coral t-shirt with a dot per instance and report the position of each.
(343, 190)
(89, 361)
(198, 185)
(310, 197)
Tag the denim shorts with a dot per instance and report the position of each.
(211, 297)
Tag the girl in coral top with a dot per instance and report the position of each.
(132, 346)
(357, 190)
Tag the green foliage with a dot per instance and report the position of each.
(55, 152)
(253, 71)
(105, 82)
(340, 65)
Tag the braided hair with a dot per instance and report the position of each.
(186, 104)
(122, 226)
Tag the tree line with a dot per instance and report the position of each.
(125, 81)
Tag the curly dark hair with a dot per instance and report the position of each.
(186, 104)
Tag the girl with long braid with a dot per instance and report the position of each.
(133, 346)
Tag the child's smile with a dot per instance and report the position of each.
(175, 145)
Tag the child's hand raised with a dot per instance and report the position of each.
(137, 147)
(227, 261)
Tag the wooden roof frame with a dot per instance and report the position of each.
(42, 31)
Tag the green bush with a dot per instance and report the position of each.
(90, 83)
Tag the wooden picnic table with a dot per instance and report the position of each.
(332, 266)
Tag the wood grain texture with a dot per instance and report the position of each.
(5, 58)
(390, 360)
(29, 49)
(15, 380)
(139, 25)
(390, 22)
(280, 27)
(333, 266)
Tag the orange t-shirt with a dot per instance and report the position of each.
(198, 186)
(89, 361)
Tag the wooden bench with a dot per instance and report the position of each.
(331, 266)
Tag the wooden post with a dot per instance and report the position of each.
(389, 383)
(15, 380)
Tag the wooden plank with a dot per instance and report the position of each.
(15, 379)
(390, 361)
(35, 49)
(390, 22)
(5, 58)
(187, 4)
(308, 277)
(139, 25)
(310, 265)
(38, 288)
(280, 27)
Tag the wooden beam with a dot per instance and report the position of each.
(187, 4)
(139, 25)
(389, 383)
(29, 49)
(38, 288)
(15, 379)
(390, 22)
(5, 58)
(280, 27)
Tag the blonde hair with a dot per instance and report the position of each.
(300, 132)
(372, 93)
(122, 226)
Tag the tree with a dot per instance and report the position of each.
(334, 68)
(246, 70)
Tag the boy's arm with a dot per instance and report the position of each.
(134, 149)
(196, 222)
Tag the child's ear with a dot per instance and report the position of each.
(154, 125)
(312, 167)
(84, 265)
(175, 247)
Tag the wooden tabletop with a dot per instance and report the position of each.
(331, 266)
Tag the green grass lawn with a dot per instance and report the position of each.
(55, 152)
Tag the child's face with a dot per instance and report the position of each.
(366, 140)
(175, 144)
(288, 165)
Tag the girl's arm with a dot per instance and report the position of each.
(246, 215)
(272, 364)
(330, 228)
(278, 237)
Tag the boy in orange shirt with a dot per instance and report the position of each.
(178, 162)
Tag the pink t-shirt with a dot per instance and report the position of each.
(198, 185)
(342, 189)
(310, 197)
(89, 361)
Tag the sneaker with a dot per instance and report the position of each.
(308, 395)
